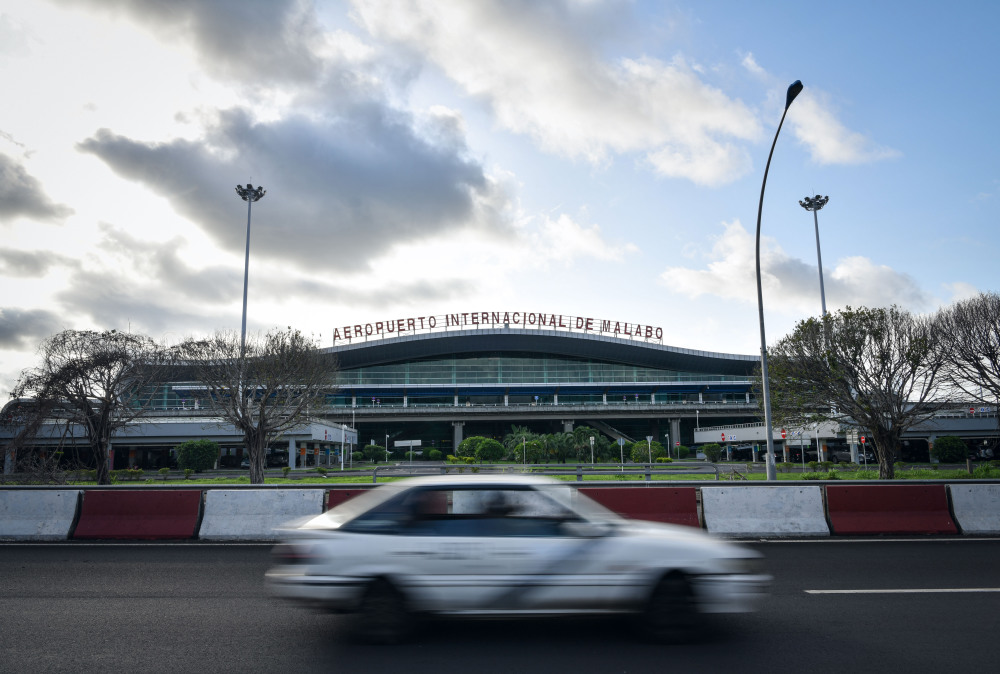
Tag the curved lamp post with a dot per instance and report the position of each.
(814, 204)
(772, 474)
(248, 194)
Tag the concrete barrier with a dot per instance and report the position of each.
(764, 511)
(255, 514)
(138, 514)
(673, 505)
(37, 515)
(337, 496)
(976, 507)
(889, 509)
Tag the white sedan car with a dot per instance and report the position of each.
(505, 546)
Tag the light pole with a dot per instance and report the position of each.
(387, 448)
(524, 456)
(248, 194)
(591, 450)
(772, 472)
(814, 204)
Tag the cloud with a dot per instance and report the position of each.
(829, 141)
(21, 195)
(537, 67)
(565, 240)
(340, 189)
(31, 264)
(22, 329)
(254, 41)
(853, 281)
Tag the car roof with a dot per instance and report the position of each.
(466, 480)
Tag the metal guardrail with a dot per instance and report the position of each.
(647, 470)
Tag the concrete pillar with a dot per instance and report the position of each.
(8, 462)
(457, 438)
(354, 401)
(456, 400)
(604, 397)
(567, 426)
(700, 399)
(506, 399)
(291, 453)
(555, 398)
(675, 436)
(405, 399)
(930, 450)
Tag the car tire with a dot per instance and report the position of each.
(671, 612)
(383, 617)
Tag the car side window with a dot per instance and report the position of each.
(487, 513)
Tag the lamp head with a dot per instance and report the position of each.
(793, 90)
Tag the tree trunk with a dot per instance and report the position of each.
(100, 451)
(886, 444)
(254, 441)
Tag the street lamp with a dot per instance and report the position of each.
(591, 450)
(772, 472)
(248, 194)
(814, 204)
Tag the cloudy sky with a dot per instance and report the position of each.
(598, 158)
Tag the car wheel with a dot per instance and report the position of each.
(383, 617)
(671, 613)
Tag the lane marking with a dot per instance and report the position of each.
(940, 590)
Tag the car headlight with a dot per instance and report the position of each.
(290, 554)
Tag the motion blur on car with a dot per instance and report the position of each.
(506, 547)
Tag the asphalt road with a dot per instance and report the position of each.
(202, 608)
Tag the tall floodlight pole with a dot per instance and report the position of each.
(248, 194)
(772, 472)
(814, 204)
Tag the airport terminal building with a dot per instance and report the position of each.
(439, 379)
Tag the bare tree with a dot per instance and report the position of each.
(969, 336)
(878, 367)
(100, 382)
(265, 391)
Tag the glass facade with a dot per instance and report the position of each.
(517, 369)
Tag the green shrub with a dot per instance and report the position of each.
(785, 467)
(243, 479)
(357, 457)
(813, 465)
(489, 451)
(866, 475)
(712, 451)
(188, 472)
(833, 475)
(949, 449)
(813, 476)
(164, 472)
(198, 455)
(322, 470)
(434, 455)
(682, 452)
(664, 459)
(983, 472)
(285, 470)
(453, 459)
(826, 465)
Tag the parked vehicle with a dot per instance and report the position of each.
(504, 547)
